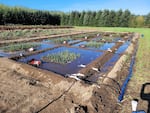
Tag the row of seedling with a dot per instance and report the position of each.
(108, 39)
(84, 36)
(24, 46)
(94, 44)
(65, 40)
(61, 40)
(15, 34)
(19, 47)
(14, 27)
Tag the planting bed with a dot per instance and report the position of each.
(29, 33)
(22, 48)
(89, 58)
(68, 68)
(11, 27)
(95, 53)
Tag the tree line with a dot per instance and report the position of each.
(105, 18)
(101, 18)
(18, 15)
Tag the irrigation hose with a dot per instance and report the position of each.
(124, 86)
(44, 107)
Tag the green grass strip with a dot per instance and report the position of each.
(61, 40)
(94, 44)
(18, 47)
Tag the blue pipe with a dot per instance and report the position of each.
(123, 88)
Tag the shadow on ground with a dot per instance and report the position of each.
(145, 95)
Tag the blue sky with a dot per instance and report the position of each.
(140, 7)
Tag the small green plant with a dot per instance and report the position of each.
(18, 47)
(61, 40)
(78, 36)
(19, 33)
(94, 44)
(61, 57)
(107, 38)
(83, 36)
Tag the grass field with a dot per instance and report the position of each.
(141, 73)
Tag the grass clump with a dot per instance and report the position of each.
(61, 40)
(18, 47)
(90, 35)
(78, 36)
(61, 57)
(107, 38)
(94, 44)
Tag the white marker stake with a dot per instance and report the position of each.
(134, 104)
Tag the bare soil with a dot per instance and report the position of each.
(25, 89)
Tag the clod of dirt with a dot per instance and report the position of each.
(32, 82)
(81, 109)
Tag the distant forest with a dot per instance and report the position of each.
(18, 15)
(101, 18)
(105, 18)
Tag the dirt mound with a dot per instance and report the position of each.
(28, 89)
